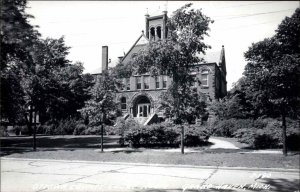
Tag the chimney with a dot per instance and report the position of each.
(104, 58)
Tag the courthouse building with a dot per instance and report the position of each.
(140, 96)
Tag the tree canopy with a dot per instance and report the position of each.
(102, 106)
(273, 70)
(35, 71)
(175, 55)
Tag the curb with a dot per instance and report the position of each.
(158, 165)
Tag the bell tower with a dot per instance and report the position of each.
(156, 28)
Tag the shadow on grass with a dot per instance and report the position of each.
(126, 151)
(9, 151)
(10, 145)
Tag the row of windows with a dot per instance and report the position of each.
(146, 82)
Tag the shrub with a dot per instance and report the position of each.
(95, 130)
(79, 129)
(293, 141)
(151, 135)
(224, 128)
(165, 134)
(268, 134)
(3, 131)
(196, 135)
(47, 129)
(265, 139)
(21, 129)
(124, 125)
(227, 128)
(110, 130)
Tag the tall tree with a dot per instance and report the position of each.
(175, 55)
(102, 108)
(273, 71)
(17, 40)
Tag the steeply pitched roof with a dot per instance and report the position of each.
(142, 40)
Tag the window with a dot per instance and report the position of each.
(128, 84)
(157, 82)
(204, 78)
(146, 82)
(152, 33)
(158, 32)
(138, 83)
(164, 81)
(123, 103)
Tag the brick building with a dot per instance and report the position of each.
(140, 96)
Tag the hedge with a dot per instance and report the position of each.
(165, 134)
(270, 136)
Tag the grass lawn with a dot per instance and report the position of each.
(206, 158)
(87, 148)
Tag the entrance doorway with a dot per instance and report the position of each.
(143, 110)
(142, 107)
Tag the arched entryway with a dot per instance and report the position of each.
(142, 106)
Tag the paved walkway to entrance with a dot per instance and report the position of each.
(220, 144)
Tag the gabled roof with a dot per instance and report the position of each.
(142, 40)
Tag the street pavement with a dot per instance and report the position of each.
(60, 175)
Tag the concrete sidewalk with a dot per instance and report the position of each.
(60, 175)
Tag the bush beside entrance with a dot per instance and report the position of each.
(165, 134)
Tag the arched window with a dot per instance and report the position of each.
(204, 77)
(123, 103)
(152, 33)
(158, 32)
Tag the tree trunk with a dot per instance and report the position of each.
(177, 103)
(34, 132)
(102, 132)
(284, 147)
(182, 139)
(102, 137)
(30, 122)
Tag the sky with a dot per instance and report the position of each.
(89, 25)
